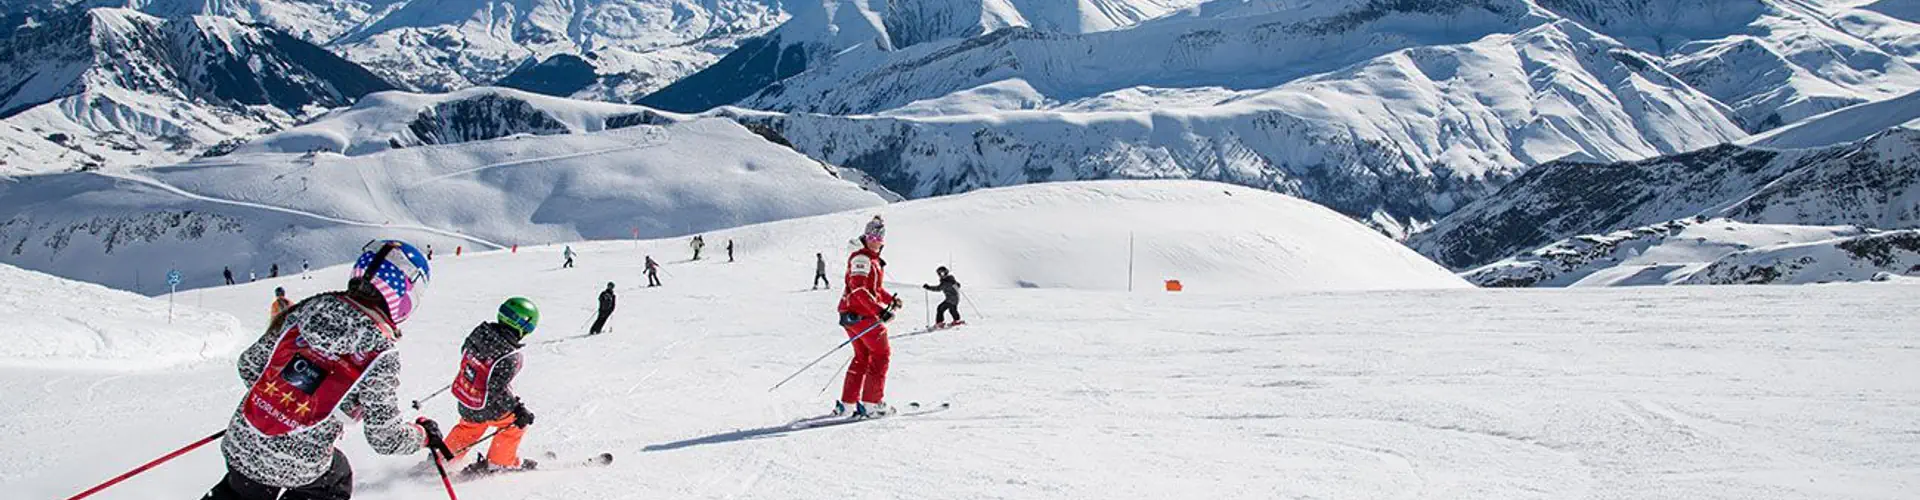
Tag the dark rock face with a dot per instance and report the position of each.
(481, 118)
(561, 76)
(757, 64)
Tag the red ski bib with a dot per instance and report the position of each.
(301, 386)
(470, 386)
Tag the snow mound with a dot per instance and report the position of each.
(60, 323)
(1659, 254)
(252, 211)
(1875, 257)
(1212, 237)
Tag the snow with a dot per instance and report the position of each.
(1659, 254)
(379, 121)
(121, 226)
(1844, 125)
(1874, 256)
(1683, 392)
(61, 325)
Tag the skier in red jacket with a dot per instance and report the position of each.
(865, 307)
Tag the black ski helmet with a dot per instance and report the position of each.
(942, 270)
(279, 291)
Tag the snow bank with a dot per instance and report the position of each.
(1212, 237)
(58, 323)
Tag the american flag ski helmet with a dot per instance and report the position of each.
(398, 270)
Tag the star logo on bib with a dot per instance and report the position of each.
(303, 409)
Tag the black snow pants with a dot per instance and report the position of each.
(940, 312)
(600, 322)
(336, 484)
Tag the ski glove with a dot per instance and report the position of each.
(434, 442)
(886, 315)
(522, 417)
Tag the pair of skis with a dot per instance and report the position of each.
(913, 409)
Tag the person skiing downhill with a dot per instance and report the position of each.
(280, 304)
(729, 250)
(568, 253)
(653, 272)
(275, 272)
(865, 307)
(228, 273)
(326, 361)
(697, 244)
(950, 303)
(484, 386)
(820, 273)
(304, 267)
(606, 309)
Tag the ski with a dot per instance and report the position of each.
(913, 409)
(552, 463)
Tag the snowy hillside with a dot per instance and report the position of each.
(1844, 125)
(61, 324)
(1856, 258)
(1868, 183)
(100, 87)
(1399, 140)
(1660, 254)
(125, 227)
(1711, 393)
(393, 120)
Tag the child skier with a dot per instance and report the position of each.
(950, 288)
(606, 310)
(568, 253)
(484, 386)
(820, 273)
(653, 272)
(865, 307)
(280, 304)
(327, 360)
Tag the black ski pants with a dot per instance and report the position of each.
(336, 484)
(600, 322)
(940, 312)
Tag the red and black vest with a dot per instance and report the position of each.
(470, 385)
(301, 386)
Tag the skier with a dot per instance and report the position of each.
(875, 226)
(304, 267)
(280, 304)
(484, 386)
(820, 273)
(275, 272)
(251, 277)
(950, 288)
(568, 253)
(865, 307)
(697, 244)
(328, 360)
(653, 272)
(429, 251)
(729, 250)
(227, 272)
(606, 309)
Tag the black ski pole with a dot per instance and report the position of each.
(416, 402)
(803, 369)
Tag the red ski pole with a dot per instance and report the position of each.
(444, 481)
(148, 465)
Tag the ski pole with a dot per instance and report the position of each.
(976, 309)
(925, 297)
(843, 369)
(416, 402)
(444, 480)
(483, 439)
(148, 465)
(803, 369)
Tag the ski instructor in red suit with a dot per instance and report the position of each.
(865, 307)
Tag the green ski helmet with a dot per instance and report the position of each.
(520, 314)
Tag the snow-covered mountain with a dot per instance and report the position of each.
(1876, 256)
(86, 88)
(830, 31)
(1659, 254)
(394, 120)
(1869, 183)
(252, 210)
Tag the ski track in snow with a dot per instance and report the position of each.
(652, 140)
(129, 176)
(1684, 392)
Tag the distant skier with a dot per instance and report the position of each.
(251, 277)
(653, 272)
(429, 251)
(950, 288)
(484, 386)
(729, 250)
(275, 272)
(865, 307)
(280, 304)
(697, 244)
(568, 253)
(820, 273)
(325, 362)
(304, 267)
(228, 273)
(606, 309)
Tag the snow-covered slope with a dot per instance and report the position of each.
(870, 31)
(392, 120)
(1660, 254)
(1857, 258)
(62, 324)
(125, 227)
(1870, 183)
(1843, 125)
(89, 88)
(1399, 140)
(1705, 393)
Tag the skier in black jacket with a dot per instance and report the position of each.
(951, 289)
(606, 309)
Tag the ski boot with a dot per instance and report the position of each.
(872, 410)
(483, 467)
(840, 408)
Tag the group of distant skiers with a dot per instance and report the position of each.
(329, 360)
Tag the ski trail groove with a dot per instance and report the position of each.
(654, 139)
(156, 183)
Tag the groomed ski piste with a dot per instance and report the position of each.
(1308, 357)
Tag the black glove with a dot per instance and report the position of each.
(435, 443)
(522, 417)
(897, 304)
(886, 315)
